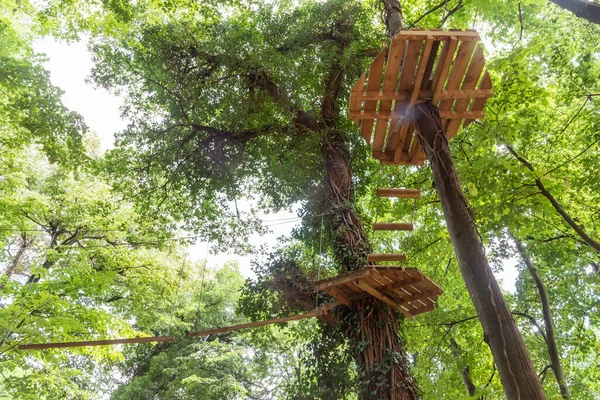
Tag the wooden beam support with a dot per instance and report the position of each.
(421, 34)
(90, 343)
(349, 277)
(314, 313)
(399, 193)
(393, 226)
(449, 114)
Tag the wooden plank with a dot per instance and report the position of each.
(457, 74)
(406, 131)
(399, 193)
(449, 114)
(418, 296)
(441, 72)
(386, 257)
(393, 226)
(340, 280)
(340, 296)
(423, 309)
(422, 34)
(405, 95)
(406, 82)
(314, 313)
(479, 104)
(90, 343)
(373, 83)
(390, 81)
(382, 297)
(355, 100)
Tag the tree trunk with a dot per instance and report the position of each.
(371, 326)
(585, 9)
(514, 364)
(466, 370)
(550, 338)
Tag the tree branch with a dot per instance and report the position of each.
(557, 206)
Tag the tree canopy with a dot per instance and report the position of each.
(246, 102)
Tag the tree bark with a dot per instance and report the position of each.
(514, 364)
(549, 326)
(561, 211)
(582, 8)
(371, 327)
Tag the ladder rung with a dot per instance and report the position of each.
(399, 193)
(386, 257)
(393, 226)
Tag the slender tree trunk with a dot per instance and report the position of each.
(585, 9)
(546, 310)
(465, 371)
(514, 364)
(561, 211)
(371, 327)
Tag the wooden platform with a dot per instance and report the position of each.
(405, 289)
(445, 67)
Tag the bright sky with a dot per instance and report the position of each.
(70, 65)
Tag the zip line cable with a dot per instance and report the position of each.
(320, 261)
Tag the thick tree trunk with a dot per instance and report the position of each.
(371, 327)
(585, 9)
(514, 364)
(550, 338)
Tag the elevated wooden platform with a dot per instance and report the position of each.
(445, 67)
(405, 289)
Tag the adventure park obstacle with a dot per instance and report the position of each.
(444, 67)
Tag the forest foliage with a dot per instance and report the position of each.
(217, 97)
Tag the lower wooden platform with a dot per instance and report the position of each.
(406, 289)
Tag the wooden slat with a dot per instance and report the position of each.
(406, 80)
(389, 84)
(351, 276)
(355, 100)
(479, 104)
(340, 296)
(373, 83)
(441, 72)
(380, 296)
(393, 226)
(386, 257)
(436, 35)
(417, 85)
(418, 296)
(90, 343)
(423, 309)
(449, 114)
(314, 313)
(405, 95)
(458, 71)
(399, 193)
